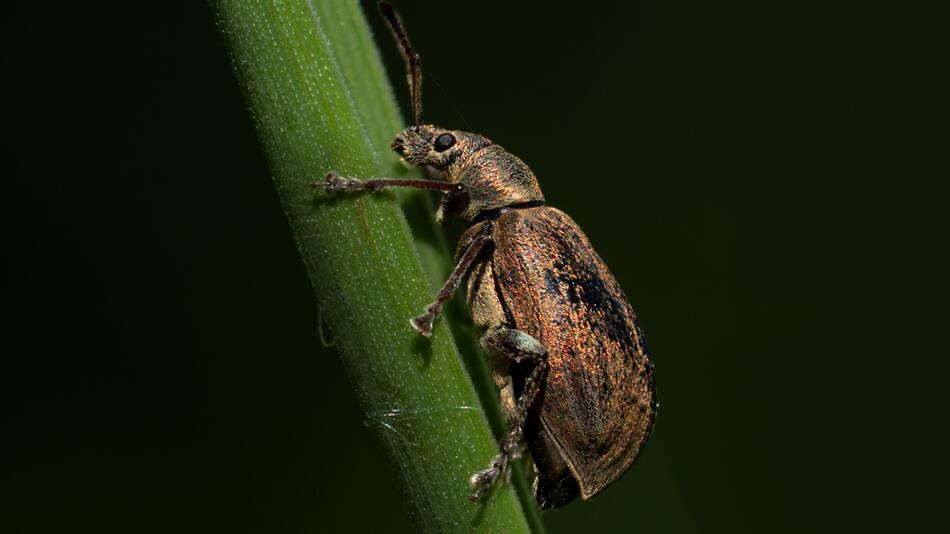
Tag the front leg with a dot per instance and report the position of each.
(518, 346)
(334, 183)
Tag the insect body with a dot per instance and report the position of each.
(567, 353)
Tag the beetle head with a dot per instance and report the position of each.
(492, 180)
(430, 145)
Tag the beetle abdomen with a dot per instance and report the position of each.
(597, 403)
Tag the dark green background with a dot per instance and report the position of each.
(768, 182)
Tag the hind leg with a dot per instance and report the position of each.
(518, 346)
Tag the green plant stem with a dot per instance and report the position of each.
(320, 100)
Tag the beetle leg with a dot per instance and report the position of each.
(518, 346)
(423, 323)
(334, 183)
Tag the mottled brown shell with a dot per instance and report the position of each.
(598, 400)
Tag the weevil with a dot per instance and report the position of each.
(569, 358)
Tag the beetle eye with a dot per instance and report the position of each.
(444, 142)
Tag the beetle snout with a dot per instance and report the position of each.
(399, 146)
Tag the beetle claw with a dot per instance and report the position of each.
(423, 324)
(481, 482)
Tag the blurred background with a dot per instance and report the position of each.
(768, 182)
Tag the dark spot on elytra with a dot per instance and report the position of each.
(641, 338)
(586, 287)
(552, 283)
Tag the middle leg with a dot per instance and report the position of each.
(423, 323)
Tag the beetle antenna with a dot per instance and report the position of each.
(413, 60)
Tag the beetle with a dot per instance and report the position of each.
(575, 378)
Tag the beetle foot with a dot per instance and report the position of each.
(423, 323)
(482, 481)
(334, 183)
